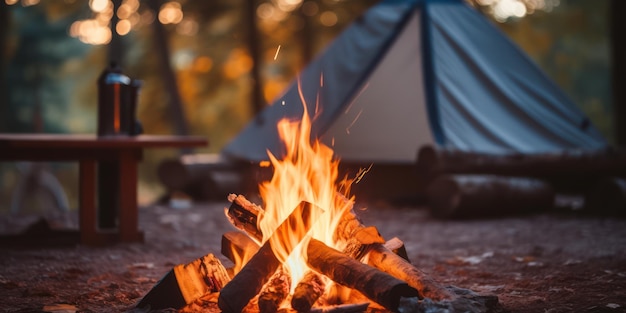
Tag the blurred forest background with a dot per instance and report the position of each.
(209, 66)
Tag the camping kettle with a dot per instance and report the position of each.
(117, 102)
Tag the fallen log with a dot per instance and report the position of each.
(566, 169)
(186, 283)
(378, 286)
(202, 176)
(607, 197)
(467, 196)
(249, 281)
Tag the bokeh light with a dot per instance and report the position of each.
(123, 27)
(171, 13)
(99, 5)
(328, 18)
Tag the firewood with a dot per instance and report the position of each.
(340, 308)
(467, 196)
(245, 215)
(249, 281)
(356, 237)
(343, 308)
(396, 246)
(274, 292)
(239, 248)
(349, 225)
(384, 259)
(378, 286)
(379, 256)
(186, 283)
(310, 288)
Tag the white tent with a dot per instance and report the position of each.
(410, 73)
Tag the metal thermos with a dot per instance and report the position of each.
(117, 102)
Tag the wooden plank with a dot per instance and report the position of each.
(128, 211)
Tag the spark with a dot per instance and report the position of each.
(361, 173)
(353, 122)
(357, 96)
(276, 54)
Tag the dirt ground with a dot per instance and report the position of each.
(540, 263)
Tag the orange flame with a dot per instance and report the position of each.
(308, 172)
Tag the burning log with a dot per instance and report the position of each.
(310, 288)
(249, 281)
(389, 262)
(340, 308)
(378, 286)
(464, 196)
(186, 283)
(238, 248)
(361, 239)
(343, 308)
(274, 292)
(245, 215)
(382, 258)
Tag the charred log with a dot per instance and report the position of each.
(249, 281)
(378, 286)
(310, 288)
(274, 292)
(466, 196)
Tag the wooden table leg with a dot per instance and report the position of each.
(129, 215)
(87, 202)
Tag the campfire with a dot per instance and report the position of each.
(306, 249)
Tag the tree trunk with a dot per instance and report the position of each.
(4, 96)
(618, 46)
(256, 98)
(116, 53)
(169, 77)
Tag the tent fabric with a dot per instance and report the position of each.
(410, 73)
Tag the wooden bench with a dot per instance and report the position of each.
(124, 152)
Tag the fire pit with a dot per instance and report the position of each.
(306, 250)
